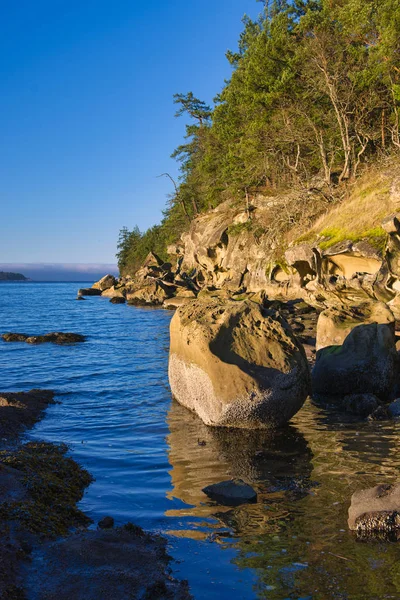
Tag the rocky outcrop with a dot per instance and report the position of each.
(114, 292)
(113, 563)
(56, 337)
(366, 363)
(334, 324)
(104, 283)
(151, 293)
(236, 365)
(89, 292)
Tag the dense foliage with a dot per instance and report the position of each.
(314, 91)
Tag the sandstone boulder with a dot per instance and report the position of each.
(236, 365)
(334, 325)
(366, 363)
(152, 293)
(114, 292)
(104, 283)
(376, 509)
(174, 303)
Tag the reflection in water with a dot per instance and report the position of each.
(296, 536)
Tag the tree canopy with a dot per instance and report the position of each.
(314, 91)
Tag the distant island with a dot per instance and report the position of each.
(12, 276)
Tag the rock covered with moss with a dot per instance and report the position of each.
(56, 337)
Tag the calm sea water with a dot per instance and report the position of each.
(117, 415)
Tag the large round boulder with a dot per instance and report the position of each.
(236, 365)
(366, 363)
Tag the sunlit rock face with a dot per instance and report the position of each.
(334, 325)
(236, 365)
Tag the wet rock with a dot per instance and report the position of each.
(380, 414)
(106, 523)
(117, 300)
(56, 337)
(366, 363)
(152, 293)
(115, 564)
(22, 409)
(375, 509)
(89, 292)
(80, 298)
(235, 365)
(361, 404)
(231, 493)
(104, 283)
(394, 409)
(14, 337)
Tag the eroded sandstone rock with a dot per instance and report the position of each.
(235, 365)
(375, 510)
(114, 292)
(334, 324)
(366, 363)
(104, 283)
(152, 293)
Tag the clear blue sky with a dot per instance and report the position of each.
(87, 119)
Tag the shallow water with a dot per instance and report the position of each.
(117, 415)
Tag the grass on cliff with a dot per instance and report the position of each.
(358, 216)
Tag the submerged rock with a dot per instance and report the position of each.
(235, 365)
(231, 493)
(375, 510)
(366, 363)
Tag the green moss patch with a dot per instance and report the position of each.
(54, 484)
(376, 236)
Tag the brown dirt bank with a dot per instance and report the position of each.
(39, 489)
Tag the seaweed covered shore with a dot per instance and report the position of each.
(46, 548)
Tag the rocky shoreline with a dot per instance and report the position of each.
(252, 339)
(46, 550)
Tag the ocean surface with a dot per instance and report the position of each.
(151, 458)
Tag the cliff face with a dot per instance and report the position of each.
(305, 243)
